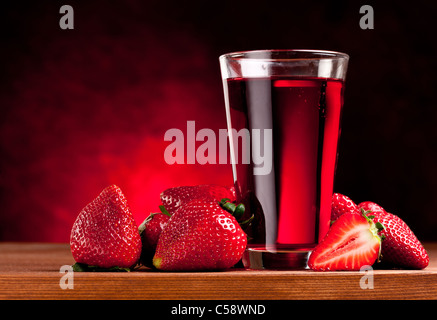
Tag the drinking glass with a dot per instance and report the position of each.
(283, 110)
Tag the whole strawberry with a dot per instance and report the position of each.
(372, 207)
(150, 230)
(342, 204)
(200, 235)
(173, 198)
(105, 234)
(400, 247)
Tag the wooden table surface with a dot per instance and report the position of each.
(32, 271)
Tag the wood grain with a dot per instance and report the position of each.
(32, 271)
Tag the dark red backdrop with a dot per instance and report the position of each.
(85, 108)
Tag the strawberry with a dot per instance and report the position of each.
(105, 234)
(351, 242)
(342, 204)
(174, 198)
(372, 207)
(200, 235)
(400, 247)
(150, 231)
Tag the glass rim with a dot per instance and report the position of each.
(252, 55)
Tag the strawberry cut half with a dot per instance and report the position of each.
(351, 243)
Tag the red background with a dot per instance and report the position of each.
(85, 108)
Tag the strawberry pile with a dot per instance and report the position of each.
(201, 231)
(363, 235)
(198, 228)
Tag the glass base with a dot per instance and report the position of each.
(276, 259)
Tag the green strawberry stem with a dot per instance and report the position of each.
(379, 226)
(227, 205)
(239, 211)
(164, 210)
(236, 210)
(247, 221)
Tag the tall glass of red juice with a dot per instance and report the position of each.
(283, 110)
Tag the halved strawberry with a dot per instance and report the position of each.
(351, 242)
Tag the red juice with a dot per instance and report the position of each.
(291, 202)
